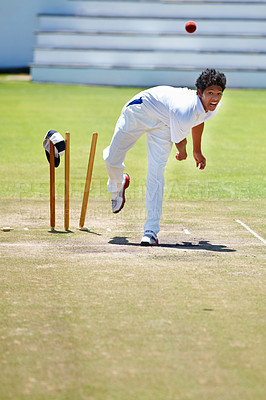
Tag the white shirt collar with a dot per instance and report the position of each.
(199, 106)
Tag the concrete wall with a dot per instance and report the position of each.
(18, 22)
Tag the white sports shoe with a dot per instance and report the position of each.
(149, 239)
(119, 201)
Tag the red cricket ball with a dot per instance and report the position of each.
(190, 26)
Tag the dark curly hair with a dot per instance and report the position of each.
(210, 77)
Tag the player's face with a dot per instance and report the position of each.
(210, 97)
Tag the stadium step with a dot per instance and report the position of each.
(149, 59)
(168, 8)
(137, 77)
(148, 25)
(141, 41)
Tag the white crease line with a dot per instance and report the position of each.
(140, 232)
(250, 230)
(25, 244)
(55, 244)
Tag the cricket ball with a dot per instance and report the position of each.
(190, 26)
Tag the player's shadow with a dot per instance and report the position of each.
(61, 232)
(201, 245)
(204, 245)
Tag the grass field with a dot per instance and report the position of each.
(233, 142)
(92, 315)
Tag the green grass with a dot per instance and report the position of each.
(232, 143)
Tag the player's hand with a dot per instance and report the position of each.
(200, 160)
(181, 155)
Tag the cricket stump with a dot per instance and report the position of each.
(88, 182)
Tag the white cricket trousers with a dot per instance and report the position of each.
(134, 121)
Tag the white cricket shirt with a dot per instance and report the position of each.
(178, 108)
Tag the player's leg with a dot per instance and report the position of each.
(158, 150)
(134, 121)
(114, 155)
(128, 130)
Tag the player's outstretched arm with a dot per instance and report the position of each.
(196, 137)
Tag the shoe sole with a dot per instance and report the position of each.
(147, 244)
(126, 185)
